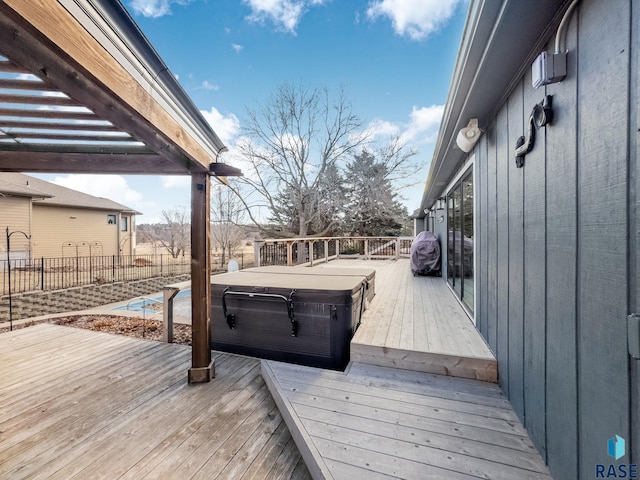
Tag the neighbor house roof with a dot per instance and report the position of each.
(499, 42)
(46, 193)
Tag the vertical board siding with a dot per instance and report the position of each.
(603, 71)
(561, 248)
(503, 258)
(515, 286)
(482, 216)
(535, 318)
(634, 187)
(492, 241)
(554, 285)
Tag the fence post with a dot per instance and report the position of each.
(42, 272)
(326, 251)
(337, 248)
(398, 248)
(257, 246)
(366, 249)
(311, 242)
(113, 268)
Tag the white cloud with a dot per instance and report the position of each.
(284, 14)
(206, 85)
(384, 128)
(424, 123)
(113, 187)
(176, 181)
(227, 127)
(416, 19)
(237, 48)
(421, 128)
(155, 8)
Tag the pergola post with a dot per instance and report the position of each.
(202, 367)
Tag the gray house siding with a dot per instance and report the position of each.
(634, 231)
(557, 246)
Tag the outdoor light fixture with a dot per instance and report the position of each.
(223, 170)
(441, 203)
(468, 136)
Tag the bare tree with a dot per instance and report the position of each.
(291, 144)
(227, 215)
(174, 233)
(400, 162)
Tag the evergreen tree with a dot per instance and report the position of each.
(372, 208)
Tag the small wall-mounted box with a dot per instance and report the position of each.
(548, 69)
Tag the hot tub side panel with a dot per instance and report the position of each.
(262, 327)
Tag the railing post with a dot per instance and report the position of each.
(311, 242)
(257, 246)
(337, 248)
(326, 251)
(366, 249)
(289, 254)
(168, 294)
(398, 248)
(42, 272)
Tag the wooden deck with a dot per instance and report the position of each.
(380, 423)
(81, 404)
(415, 323)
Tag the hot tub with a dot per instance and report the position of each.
(303, 319)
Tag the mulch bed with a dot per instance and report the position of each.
(129, 326)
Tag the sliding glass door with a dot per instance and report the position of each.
(460, 273)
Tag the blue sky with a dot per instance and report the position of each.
(394, 58)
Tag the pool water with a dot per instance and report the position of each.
(153, 305)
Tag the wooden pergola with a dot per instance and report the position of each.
(83, 91)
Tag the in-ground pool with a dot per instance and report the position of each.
(151, 305)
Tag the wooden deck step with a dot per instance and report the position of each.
(416, 323)
(375, 422)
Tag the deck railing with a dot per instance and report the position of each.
(311, 250)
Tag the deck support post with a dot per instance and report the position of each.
(202, 367)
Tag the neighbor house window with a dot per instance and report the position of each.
(124, 224)
(111, 219)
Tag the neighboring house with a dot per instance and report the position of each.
(62, 222)
(543, 250)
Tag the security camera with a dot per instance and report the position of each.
(468, 136)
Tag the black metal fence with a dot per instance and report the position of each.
(65, 272)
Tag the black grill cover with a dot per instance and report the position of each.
(425, 254)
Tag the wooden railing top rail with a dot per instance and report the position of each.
(313, 239)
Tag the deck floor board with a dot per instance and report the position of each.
(81, 404)
(378, 422)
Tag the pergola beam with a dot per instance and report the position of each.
(64, 54)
